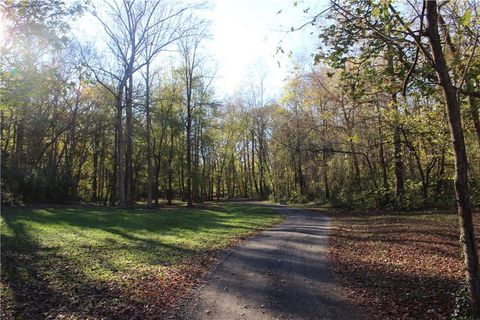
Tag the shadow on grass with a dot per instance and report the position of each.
(41, 282)
(46, 278)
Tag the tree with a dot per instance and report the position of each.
(168, 26)
(188, 48)
(135, 30)
(467, 235)
(371, 20)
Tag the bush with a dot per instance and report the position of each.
(21, 186)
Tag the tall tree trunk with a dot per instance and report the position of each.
(211, 188)
(245, 171)
(398, 159)
(196, 163)
(261, 162)
(182, 177)
(189, 155)
(440, 185)
(397, 132)
(218, 187)
(253, 165)
(120, 151)
(381, 156)
(234, 176)
(158, 156)
(148, 136)
(114, 176)
(203, 192)
(129, 142)
(467, 236)
(250, 180)
(96, 148)
(170, 171)
(103, 171)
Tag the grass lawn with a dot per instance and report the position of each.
(399, 265)
(85, 262)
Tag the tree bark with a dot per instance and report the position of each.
(253, 164)
(397, 132)
(114, 175)
(170, 171)
(96, 146)
(381, 156)
(148, 136)
(129, 143)
(120, 150)
(189, 154)
(467, 236)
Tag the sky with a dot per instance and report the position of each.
(245, 37)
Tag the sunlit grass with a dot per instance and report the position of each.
(104, 243)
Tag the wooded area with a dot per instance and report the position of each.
(387, 117)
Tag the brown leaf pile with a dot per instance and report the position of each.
(154, 297)
(399, 266)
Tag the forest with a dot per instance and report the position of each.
(366, 126)
(383, 115)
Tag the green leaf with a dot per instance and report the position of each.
(466, 18)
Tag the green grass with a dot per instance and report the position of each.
(59, 249)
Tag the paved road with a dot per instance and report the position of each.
(280, 274)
